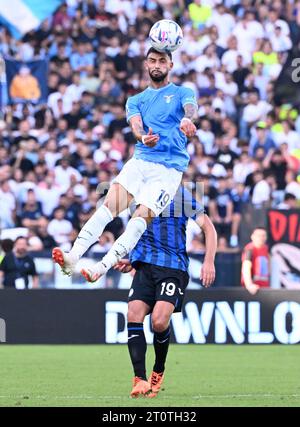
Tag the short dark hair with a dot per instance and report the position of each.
(289, 196)
(152, 50)
(7, 245)
(20, 238)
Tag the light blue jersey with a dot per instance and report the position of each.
(162, 110)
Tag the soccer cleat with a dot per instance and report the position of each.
(66, 262)
(140, 387)
(93, 274)
(155, 382)
(89, 275)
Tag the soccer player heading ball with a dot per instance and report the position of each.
(161, 120)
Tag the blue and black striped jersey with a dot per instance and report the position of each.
(164, 241)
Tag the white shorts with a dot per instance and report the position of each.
(151, 184)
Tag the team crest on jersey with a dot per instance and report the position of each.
(168, 98)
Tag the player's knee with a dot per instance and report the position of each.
(160, 324)
(111, 206)
(134, 317)
(145, 213)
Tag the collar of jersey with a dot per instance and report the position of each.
(161, 88)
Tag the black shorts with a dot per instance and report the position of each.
(152, 283)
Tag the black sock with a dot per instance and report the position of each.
(161, 345)
(137, 347)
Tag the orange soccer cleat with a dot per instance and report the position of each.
(140, 388)
(64, 260)
(89, 275)
(155, 382)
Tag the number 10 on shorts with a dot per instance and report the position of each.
(168, 288)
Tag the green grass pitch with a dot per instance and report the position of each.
(196, 375)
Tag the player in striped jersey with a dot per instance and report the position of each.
(161, 277)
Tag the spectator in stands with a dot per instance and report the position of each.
(8, 205)
(222, 212)
(261, 140)
(31, 211)
(254, 111)
(276, 164)
(199, 13)
(293, 186)
(261, 193)
(6, 246)
(17, 266)
(60, 228)
(223, 246)
(104, 244)
(230, 57)
(289, 202)
(256, 262)
(42, 232)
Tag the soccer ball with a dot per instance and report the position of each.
(166, 36)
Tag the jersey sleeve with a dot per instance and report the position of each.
(247, 255)
(132, 108)
(188, 97)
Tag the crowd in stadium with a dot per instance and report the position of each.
(247, 148)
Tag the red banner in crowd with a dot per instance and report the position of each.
(284, 243)
(284, 227)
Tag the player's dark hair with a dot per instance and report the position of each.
(152, 50)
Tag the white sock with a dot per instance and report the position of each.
(123, 245)
(91, 231)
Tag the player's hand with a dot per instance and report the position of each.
(187, 127)
(150, 140)
(123, 266)
(208, 273)
(253, 288)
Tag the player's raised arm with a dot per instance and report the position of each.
(149, 139)
(190, 114)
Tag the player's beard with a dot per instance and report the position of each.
(159, 77)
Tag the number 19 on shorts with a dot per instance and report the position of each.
(168, 289)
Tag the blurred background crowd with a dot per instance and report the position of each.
(53, 155)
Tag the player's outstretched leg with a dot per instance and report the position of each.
(116, 201)
(88, 235)
(122, 246)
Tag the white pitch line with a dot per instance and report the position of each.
(216, 396)
(227, 396)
